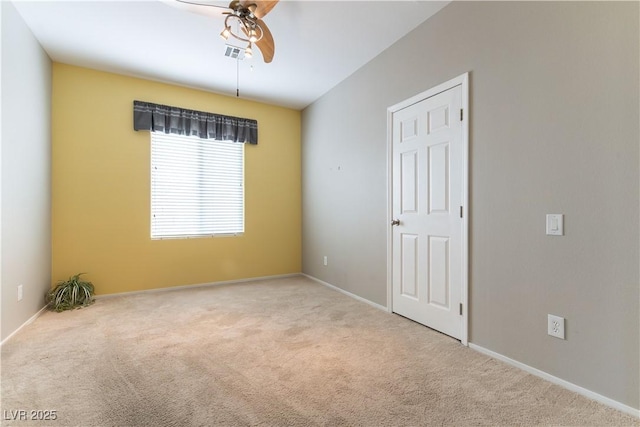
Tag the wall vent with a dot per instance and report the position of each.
(234, 52)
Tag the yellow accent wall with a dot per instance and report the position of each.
(101, 189)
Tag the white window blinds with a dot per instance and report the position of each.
(197, 187)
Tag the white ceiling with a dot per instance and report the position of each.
(318, 43)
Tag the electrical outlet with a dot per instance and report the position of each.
(19, 292)
(555, 326)
(325, 261)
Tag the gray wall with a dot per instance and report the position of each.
(25, 170)
(554, 129)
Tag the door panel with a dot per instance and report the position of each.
(438, 268)
(409, 171)
(409, 265)
(438, 118)
(439, 178)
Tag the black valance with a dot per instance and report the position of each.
(163, 118)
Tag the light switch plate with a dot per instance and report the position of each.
(555, 225)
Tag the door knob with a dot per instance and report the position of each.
(395, 222)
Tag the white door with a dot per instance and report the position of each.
(428, 196)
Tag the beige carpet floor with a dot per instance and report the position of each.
(285, 352)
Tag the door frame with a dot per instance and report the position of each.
(463, 81)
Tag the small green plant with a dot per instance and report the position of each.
(71, 293)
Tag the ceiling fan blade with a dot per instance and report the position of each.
(201, 3)
(266, 44)
(262, 6)
(201, 7)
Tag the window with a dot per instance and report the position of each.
(197, 187)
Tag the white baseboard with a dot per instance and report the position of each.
(198, 285)
(559, 381)
(172, 288)
(544, 375)
(335, 288)
(31, 319)
(537, 372)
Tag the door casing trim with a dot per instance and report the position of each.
(463, 81)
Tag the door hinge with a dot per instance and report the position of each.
(461, 114)
(460, 309)
(461, 212)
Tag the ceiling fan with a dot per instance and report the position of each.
(243, 22)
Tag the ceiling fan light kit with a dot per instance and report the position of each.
(247, 23)
(225, 33)
(244, 22)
